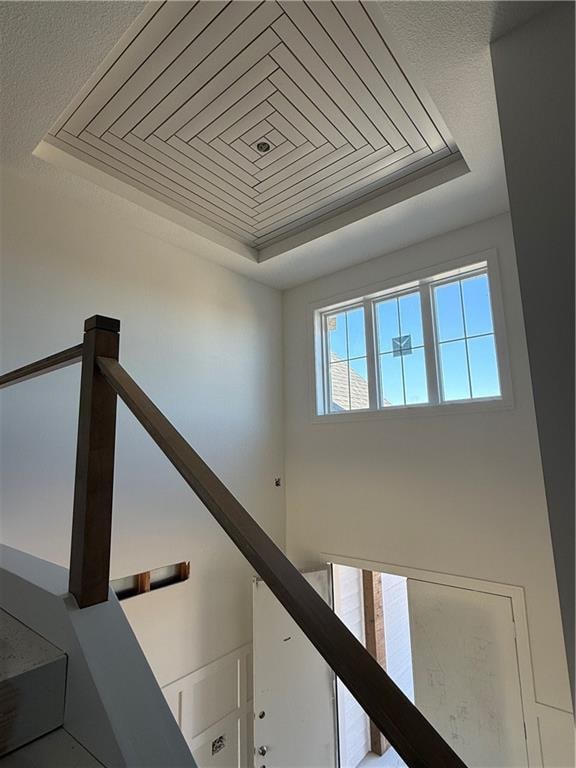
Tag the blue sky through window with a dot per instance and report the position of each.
(400, 350)
(465, 337)
(456, 313)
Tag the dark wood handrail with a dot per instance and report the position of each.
(413, 737)
(103, 378)
(47, 364)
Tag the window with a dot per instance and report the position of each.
(464, 332)
(429, 342)
(347, 360)
(400, 346)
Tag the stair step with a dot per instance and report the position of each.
(32, 684)
(55, 750)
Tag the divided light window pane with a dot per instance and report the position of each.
(483, 366)
(477, 310)
(449, 317)
(463, 362)
(356, 333)
(465, 339)
(400, 351)
(454, 371)
(347, 362)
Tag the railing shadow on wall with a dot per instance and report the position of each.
(103, 380)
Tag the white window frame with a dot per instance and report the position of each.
(422, 281)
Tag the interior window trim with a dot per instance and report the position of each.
(422, 282)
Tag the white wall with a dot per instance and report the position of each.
(533, 93)
(205, 344)
(458, 493)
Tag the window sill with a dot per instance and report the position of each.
(461, 408)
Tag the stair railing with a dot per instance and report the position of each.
(102, 380)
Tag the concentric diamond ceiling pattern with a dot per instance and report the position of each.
(180, 106)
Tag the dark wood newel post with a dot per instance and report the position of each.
(92, 516)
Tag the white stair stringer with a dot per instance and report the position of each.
(114, 707)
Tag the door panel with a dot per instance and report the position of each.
(293, 687)
(466, 679)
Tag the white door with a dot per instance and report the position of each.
(294, 700)
(466, 679)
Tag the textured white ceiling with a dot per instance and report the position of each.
(50, 49)
(257, 118)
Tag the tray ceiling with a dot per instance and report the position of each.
(259, 120)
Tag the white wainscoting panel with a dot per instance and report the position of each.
(213, 707)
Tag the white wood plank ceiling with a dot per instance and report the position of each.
(181, 107)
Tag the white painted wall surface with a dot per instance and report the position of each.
(533, 93)
(458, 493)
(205, 344)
